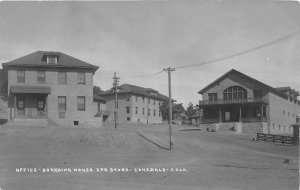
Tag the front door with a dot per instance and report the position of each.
(41, 107)
(21, 106)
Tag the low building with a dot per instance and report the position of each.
(135, 104)
(52, 88)
(237, 100)
(100, 107)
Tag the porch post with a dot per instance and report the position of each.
(15, 103)
(46, 105)
(261, 113)
(240, 118)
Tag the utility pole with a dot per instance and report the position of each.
(169, 70)
(115, 89)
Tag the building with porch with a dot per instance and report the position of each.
(51, 88)
(236, 100)
(135, 104)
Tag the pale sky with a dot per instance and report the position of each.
(142, 37)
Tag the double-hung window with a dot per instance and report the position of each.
(62, 78)
(81, 77)
(81, 103)
(21, 76)
(41, 77)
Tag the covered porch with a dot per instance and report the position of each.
(234, 112)
(28, 101)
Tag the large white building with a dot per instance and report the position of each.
(135, 104)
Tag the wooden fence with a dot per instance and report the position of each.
(275, 138)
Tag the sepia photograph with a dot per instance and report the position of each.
(150, 95)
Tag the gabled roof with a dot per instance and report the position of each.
(245, 81)
(39, 59)
(128, 88)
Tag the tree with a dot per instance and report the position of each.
(164, 109)
(191, 110)
(97, 90)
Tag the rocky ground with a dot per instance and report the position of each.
(50, 158)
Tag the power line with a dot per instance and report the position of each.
(144, 76)
(241, 52)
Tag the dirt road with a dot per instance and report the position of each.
(202, 160)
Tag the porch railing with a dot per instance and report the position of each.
(236, 101)
(254, 119)
(248, 119)
(31, 113)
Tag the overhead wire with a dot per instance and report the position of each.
(240, 53)
(219, 59)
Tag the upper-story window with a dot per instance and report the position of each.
(81, 77)
(62, 78)
(80, 103)
(52, 59)
(21, 76)
(41, 77)
(212, 96)
(62, 103)
(234, 93)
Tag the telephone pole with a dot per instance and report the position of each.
(115, 89)
(169, 70)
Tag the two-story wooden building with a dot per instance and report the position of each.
(48, 87)
(135, 104)
(237, 100)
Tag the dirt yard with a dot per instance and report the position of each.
(50, 158)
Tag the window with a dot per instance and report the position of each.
(81, 77)
(128, 118)
(80, 103)
(153, 102)
(153, 112)
(136, 110)
(136, 99)
(212, 96)
(41, 78)
(62, 103)
(62, 78)
(283, 112)
(273, 126)
(148, 100)
(288, 113)
(148, 111)
(284, 128)
(234, 93)
(127, 109)
(40, 104)
(279, 127)
(52, 59)
(76, 122)
(143, 111)
(159, 113)
(62, 115)
(143, 100)
(21, 104)
(21, 76)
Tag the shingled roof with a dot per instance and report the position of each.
(245, 81)
(39, 59)
(128, 88)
